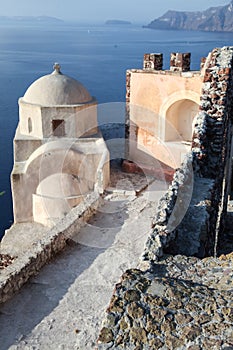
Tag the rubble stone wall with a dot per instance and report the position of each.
(213, 135)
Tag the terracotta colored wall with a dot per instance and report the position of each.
(152, 89)
(151, 96)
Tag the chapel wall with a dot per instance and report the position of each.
(160, 107)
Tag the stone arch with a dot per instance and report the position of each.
(75, 165)
(176, 115)
(56, 195)
(49, 159)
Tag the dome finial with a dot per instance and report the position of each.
(57, 68)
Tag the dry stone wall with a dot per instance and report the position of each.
(212, 135)
(217, 112)
(170, 211)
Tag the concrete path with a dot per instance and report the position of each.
(63, 307)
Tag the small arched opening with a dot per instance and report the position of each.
(179, 120)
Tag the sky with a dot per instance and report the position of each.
(101, 10)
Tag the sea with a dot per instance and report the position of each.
(98, 55)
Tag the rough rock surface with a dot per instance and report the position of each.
(183, 303)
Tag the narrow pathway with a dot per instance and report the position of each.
(63, 307)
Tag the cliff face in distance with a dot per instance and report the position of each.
(213, 19)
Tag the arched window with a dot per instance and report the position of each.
(29, 125)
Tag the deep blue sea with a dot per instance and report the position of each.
(96, 55)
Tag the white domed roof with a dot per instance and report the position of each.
(56, 89)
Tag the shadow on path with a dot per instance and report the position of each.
(36, 300)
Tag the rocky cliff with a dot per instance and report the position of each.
(213, 19)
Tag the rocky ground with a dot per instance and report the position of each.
(183, 303)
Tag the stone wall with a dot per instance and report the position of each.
(169, 212)
(217, 112)
(212, 135)
(182, 222)
(30, 262)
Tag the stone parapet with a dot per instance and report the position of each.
(212, 135)
(186, 74)
(42, 249)
(182, 222)
(217, 110)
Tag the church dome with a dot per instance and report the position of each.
(56, 89)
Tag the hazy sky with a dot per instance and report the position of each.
(99, 10)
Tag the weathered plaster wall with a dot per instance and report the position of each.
(79, 120)
(146, 85)
(85, 160)
(160, 108)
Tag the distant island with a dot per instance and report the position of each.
(31, 19)
(117, 21)
(213, 19)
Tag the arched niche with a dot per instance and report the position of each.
(177, 114)
(179, 120)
